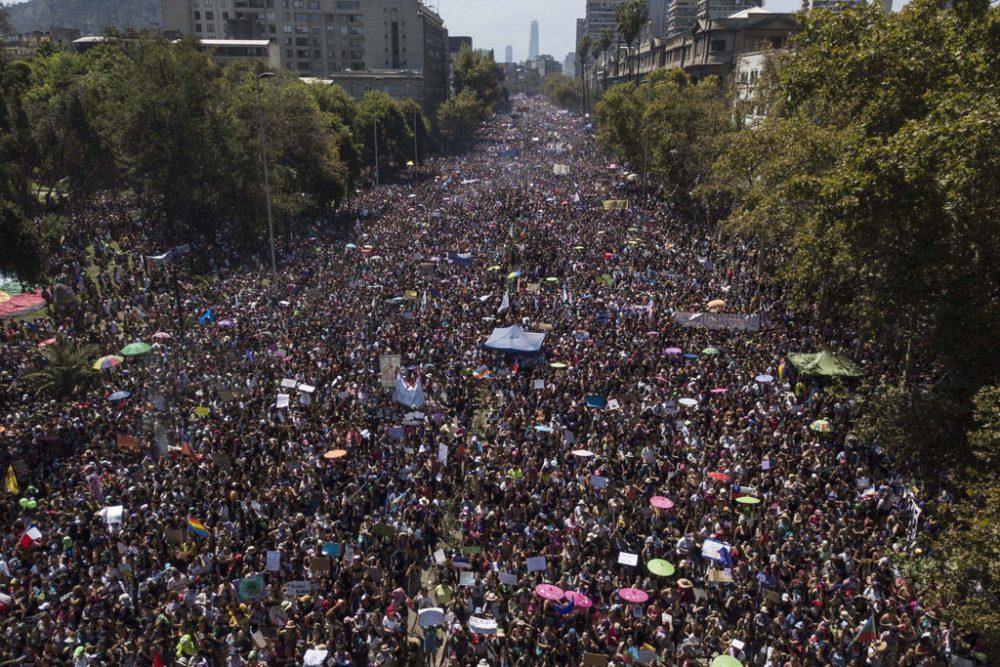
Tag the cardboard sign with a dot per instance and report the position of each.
(273, 561)
(319, 564)
(388, 364)
(127, 442)
(175, 536)
(297, 588)
(251, 589)
(439, 557)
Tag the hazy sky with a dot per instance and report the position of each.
(493, 24)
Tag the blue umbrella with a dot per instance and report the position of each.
(119, 395)
(689, 355)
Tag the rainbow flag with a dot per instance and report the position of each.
(197, 527)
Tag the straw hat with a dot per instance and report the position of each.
(685, 583)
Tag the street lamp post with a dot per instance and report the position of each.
(416, 159)
(267, 184)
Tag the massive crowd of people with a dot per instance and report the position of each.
(269, 493)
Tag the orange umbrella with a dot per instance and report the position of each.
(335, 454)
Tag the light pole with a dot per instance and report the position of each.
(267, 184)
(416, 159)
(375, 116)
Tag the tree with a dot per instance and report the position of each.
(630, 17)
(418, 127)
(395, 143)
(582, 54)
(477, 71)
(67, 371)
(602, 45)
(459, 116)
(562, 91)
(879, 182)
(959, 573)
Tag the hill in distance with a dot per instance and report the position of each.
(90, 16)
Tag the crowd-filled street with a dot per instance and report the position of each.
(512, 412)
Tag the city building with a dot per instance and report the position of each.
(533, 43)
(713, 47)
(23, 45)
(720, 9)
(398, 84)
(681, 16)
(544, 65)
(749, 69)
(508, 54)
(322, 37)
(600, 15)
(569, 64)
(455, 43)
(658, 12)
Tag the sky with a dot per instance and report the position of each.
(493, 24)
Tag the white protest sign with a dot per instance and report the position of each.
(282, 401)
(536, 564)
(467, 578)
(273, 561)
(439, 557)
(625, 558)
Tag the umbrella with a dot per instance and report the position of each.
(719, 476)
(688, 402)
(726, 661)
(673, 350)
(428, 618)
(47, 341)
(107, 362)
(710, 351)
(821, 426)
(583, 453)
(661, 502)
(764, 378)
(162, 335)
(719, 390)
(633, 595)
(549, 592)
(495, 267)
(335, 454)
(660, 567)
(579, 599)
(350, 246)
(557, 364)
(716, 304)
(513, 274)
(748, 500)
(543, 428)
(551, 279)
(578, 247)
(119, 395)
(135, 349)
(226, 323)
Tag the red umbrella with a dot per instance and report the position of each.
(549, 592)
(633, 595)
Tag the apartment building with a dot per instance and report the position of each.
(322, 37)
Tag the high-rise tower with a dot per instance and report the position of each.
(533, 45)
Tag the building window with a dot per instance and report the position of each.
(197, 16)
(209, 16)
(211, 27)
(718, 45)
(197, 27)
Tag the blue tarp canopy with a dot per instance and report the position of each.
(514, 339)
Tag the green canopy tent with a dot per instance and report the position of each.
(824, 364)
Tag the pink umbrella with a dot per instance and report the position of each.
(579, 599)
(661, 502)
(719, 390)
(549, 592)
(633, 595)
(673, 350)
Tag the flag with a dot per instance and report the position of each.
(866, 634)
(410, 294)
(157, 662)
(30, 536)
(10, 481)
(207, 318)
(482, 373)
(516, 367)
(505, 304)
(197, 527)
(411, 395)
